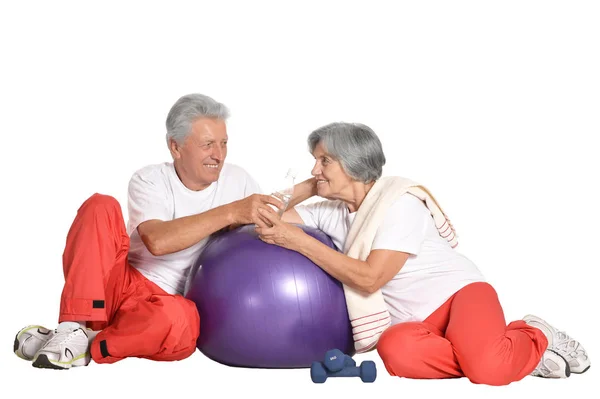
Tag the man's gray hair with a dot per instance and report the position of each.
(189, 108)
(355, 146)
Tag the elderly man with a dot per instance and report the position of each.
(124, 286)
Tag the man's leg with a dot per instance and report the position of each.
(95, 263)
(96, 274)
(150, 324)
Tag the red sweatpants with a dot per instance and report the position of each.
(137, 318)
(465, 337)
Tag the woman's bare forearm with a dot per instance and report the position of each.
(303, 191)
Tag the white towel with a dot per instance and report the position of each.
(368, 313)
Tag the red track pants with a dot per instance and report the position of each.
(465, 337)
(137, 318)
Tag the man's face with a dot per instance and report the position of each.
(200, 159)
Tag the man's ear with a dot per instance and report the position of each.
(175, 149)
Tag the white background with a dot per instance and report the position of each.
(492, 105)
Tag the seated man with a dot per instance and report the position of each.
(123, 292)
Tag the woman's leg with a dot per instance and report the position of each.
(466, 336)
(489, 351)
(417, 350)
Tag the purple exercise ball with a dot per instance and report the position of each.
(264, 306)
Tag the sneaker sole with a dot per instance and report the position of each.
(581, 372)
(43, 362)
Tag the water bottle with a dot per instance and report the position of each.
(286, 190)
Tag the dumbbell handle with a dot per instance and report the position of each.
(345, 372)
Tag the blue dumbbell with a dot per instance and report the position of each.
(336, 360)
(367, 372)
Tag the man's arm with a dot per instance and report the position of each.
(165, 237)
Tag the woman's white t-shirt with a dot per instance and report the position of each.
(434, 270)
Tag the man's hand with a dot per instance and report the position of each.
(245, 211)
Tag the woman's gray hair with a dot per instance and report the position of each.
(355, 146)
(189, 108)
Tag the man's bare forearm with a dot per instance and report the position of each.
(165, 237)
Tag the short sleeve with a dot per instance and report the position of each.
(404, 227)
(147, 200)
(322, 215)
(308, 214)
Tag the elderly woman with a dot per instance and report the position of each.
(446, 321)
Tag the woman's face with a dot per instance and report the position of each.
(332, 180)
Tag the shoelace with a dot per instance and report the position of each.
(62, 337)
(568, 345)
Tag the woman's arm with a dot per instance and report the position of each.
(367, 276)
(302, 191)
(292, 216)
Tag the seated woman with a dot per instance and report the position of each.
(446, 320)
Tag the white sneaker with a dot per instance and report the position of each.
(571, 350)
(69, 347)
(552, 365)
(30, 339)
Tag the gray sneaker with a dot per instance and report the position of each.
(552, 365)
(558, 341)
(30, 340)
(69, 347)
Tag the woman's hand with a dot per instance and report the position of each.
(278, 232)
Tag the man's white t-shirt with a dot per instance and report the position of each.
(156, 192)
(434, 270)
